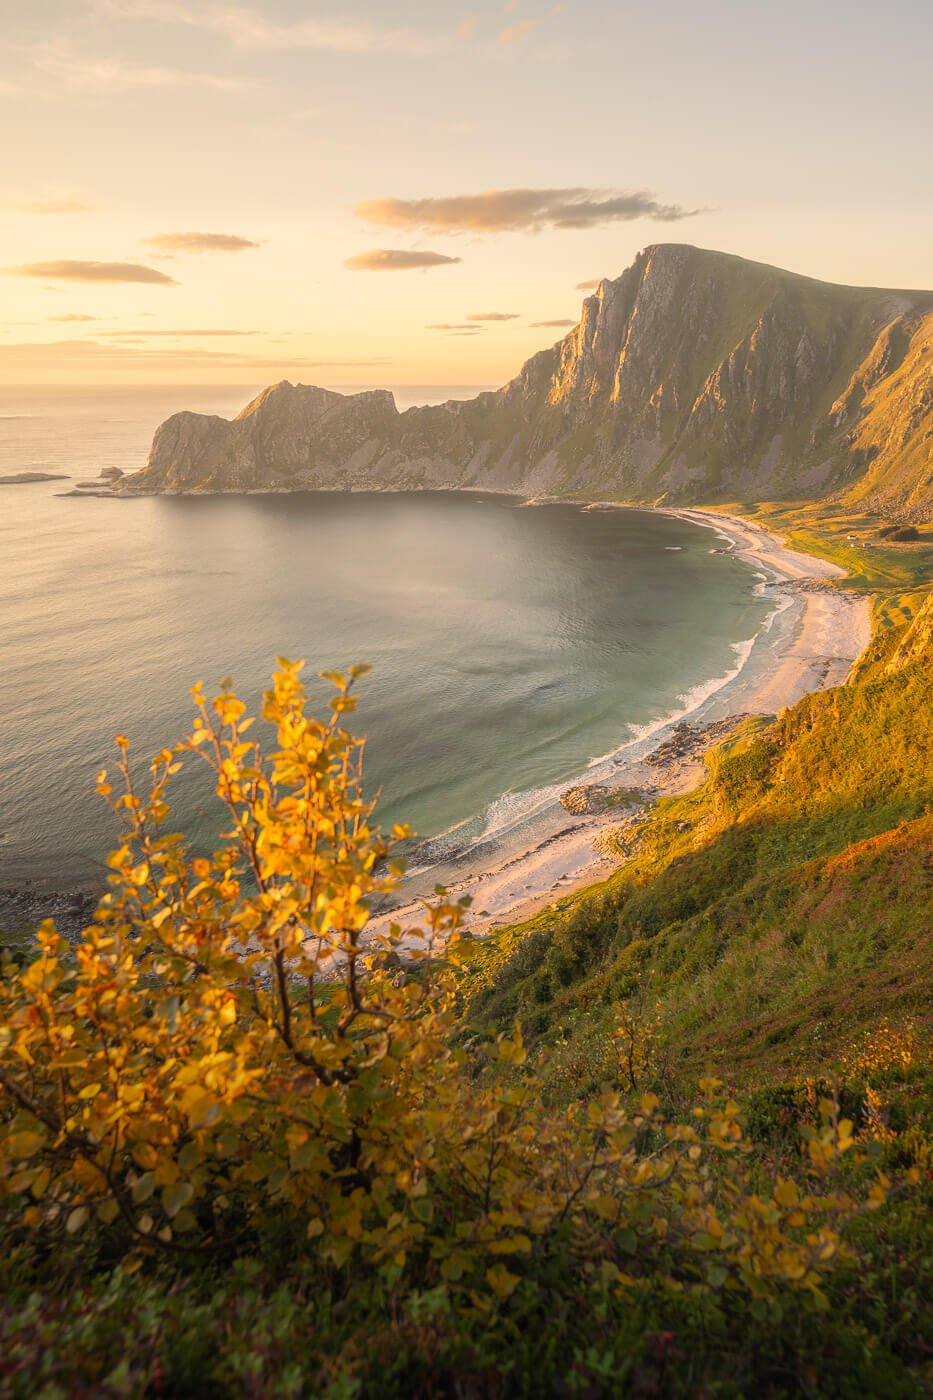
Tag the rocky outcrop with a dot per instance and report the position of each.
(695, 376)
(24, 478)
(586, 799)
(690, 740)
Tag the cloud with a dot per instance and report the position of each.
(497, 211)
(91, 354)
(75, 270)
(460, 329)
(468, 26)
(396, 260)
(589, 286)
(245, 28)
(113, 75)
(73, 316)
(50, 206)
(199, 242)
(146, 333)
(539, 325)
(493, 316)
(515, 33)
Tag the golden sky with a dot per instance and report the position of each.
(419, 193)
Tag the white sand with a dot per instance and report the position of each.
(831, 629)
(834, 627)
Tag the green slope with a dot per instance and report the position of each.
(775, 910)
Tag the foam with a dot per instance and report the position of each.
(513, 809)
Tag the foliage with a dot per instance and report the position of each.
(227, 1067)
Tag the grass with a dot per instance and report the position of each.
(784, 901)
(881, 569)
(766, 925)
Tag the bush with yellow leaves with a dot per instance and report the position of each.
(227, 1045)
(884, 1049)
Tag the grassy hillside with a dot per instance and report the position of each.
(704, 1171)
(783, 905)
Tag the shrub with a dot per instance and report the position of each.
(227, 1058)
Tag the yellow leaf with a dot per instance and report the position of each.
(501, 1281)
(786, 1193)
(517, 1244)
(40, 1183)
(21, 1145)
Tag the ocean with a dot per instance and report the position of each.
(514, 647)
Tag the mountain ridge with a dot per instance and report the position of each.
(693, 377)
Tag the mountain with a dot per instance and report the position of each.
(695, 376)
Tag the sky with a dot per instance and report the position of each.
(422, 192)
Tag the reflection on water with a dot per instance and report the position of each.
(509, 645)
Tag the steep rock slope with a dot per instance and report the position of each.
(693, 376)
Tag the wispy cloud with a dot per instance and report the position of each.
(199, 243)
(493, 316)
(468, 26)
(51, 205)
(78, 270)
(515, 33)
(540, 325)
(91, 354)
(396, 260)
(146, 332)
(108, 75)
(590, 285)
(73, 316)
(246, 28)
(497, 211)
(447, 326)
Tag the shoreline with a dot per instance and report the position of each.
(829, 632)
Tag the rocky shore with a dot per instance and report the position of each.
(690, 740)
(105, 484)
(24, 907)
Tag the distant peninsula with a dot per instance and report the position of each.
(22, 478)
(694, 377)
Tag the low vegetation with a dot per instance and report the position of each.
(675, 1141)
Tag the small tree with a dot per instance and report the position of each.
(224, 1039)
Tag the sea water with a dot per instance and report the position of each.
(512, 646)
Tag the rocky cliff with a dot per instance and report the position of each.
(695, 376)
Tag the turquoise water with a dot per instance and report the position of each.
(511, 645)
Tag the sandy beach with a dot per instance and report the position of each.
(823, 630)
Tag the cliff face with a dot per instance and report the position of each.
(695, 376)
